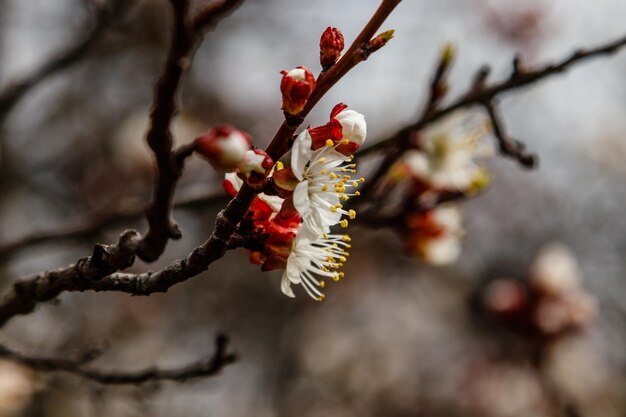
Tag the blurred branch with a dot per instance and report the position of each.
(185, 39)
(480, 94)
(103, 16)
(208, 16)
(201, 369)
(508, 146)
(100, 222)
(97, 272)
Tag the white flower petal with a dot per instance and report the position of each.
(301, 153)
(301, 200)
(285, 286)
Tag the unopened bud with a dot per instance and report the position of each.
(254, 167)
(224, 147)
(379, 41)
(296, 87)
(331, 45)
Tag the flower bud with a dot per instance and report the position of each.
(224, 146)
(296, 87)
(331, 45)
(346, 129)
(254, 167)
(354, 130)
(379, 41)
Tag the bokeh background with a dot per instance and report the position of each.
(396, 337)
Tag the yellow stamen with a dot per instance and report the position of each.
(279, 166)
(352, 214)
(329, 143)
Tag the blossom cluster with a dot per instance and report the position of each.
(550, 303)
(288, 227)
(441, 165)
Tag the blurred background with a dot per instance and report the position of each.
(396, 337)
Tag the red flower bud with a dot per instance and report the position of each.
(331, 45)
(224, 146)
(296, 86)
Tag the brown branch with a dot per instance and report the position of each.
(46, 286)
(478, 96)
(186, 36)
(201, 369)
(508, 146)
(208, 16)
(102, 18)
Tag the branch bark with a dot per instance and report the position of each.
(201, 369)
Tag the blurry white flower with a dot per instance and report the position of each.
(447, 153)
(555, 271)
(17, 386)
(435, 236)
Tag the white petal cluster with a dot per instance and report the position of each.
(353, 126)
(314, 258)
(325, 183)
(447, 154)
(446, 248)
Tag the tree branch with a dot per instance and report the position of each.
(478, 96)
(201, 369)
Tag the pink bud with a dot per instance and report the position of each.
(331, 45)
(224, 146)
(296, 86)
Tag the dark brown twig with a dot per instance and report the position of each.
(201, 369)
(508, 146)
(102, 18)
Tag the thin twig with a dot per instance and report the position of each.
(201, 369)
(487, 93)
(508, 146)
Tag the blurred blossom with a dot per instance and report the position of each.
(446, 153)
(17, 387)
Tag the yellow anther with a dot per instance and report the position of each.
(338, 205)
(322, 284)
(329, 143)
(345, 238)
(348, 246)
(357, 193)
(355, 184)
(344, 223)
(346, 177)
(362, 179)
(324, 188)
(322, 160)
(333, 209)
(336, 277)
(352, 214)
(352, 165)
(279, 166)
(323, 172)
(345, 141)
(341, 274)
(351, 157)
(343, 258)
(320, 298)
(332, 175)
(325, 235)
